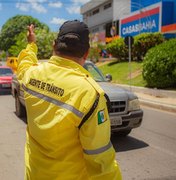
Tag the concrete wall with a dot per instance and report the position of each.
(121, 8)
(118, 9)
(104, 15)
(91, 5)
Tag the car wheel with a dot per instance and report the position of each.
(123, 133)
(20, 109)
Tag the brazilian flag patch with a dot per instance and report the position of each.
(101, 117)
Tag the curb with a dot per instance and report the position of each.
(156, 93)
(153, 92)
(152, 104)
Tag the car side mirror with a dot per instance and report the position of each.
(108, 77)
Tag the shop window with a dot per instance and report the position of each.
(110, 27)
(96, 11)
(107, 6)
(89, 14)
(95, 30)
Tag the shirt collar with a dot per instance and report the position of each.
(67, 63)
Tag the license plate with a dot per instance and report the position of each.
(5, 85)
(116, 121)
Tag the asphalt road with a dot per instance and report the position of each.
(12, 139)
(148, 153)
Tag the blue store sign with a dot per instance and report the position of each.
(144, 21)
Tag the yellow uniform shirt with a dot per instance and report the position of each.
(58, 95)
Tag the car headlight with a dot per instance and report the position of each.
(133, 105)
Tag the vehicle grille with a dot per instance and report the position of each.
(117, 106)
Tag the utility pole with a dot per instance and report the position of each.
(129, 40)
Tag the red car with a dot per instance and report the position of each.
(6, 74)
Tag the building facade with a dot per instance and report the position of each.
(150, 16)
(100, 15)
(108, 19)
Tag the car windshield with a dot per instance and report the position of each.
(6, 72)
(95, 72)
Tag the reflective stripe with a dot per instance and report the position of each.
(98, 151)
(53, 101)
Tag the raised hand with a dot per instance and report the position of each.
(31, 34)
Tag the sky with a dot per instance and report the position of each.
(51, 12)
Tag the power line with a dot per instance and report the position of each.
(23, 2)
(27, 2)
(45, 2)
(38, 2)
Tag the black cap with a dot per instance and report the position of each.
(76, 28)
(73, 39)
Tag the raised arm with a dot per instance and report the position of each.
(28, 56)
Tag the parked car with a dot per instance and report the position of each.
(125, 112)
(6, 74)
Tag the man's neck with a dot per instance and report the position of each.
(75, 59)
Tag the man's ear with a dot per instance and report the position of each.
(55, 47)
(86, 55)
(54, 44)
(83, 59)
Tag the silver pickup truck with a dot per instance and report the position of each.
(125, 113)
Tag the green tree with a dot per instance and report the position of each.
(142, 43)
(20, 43)
(118, 49)
(14, 26)
(13, 36)
(44, 41)
(2, 55)
(159, 66)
